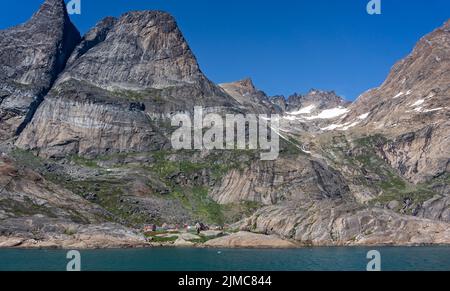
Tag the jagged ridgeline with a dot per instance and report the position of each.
(86, 158)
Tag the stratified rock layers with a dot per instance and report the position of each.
(123, 73)
(31, 57)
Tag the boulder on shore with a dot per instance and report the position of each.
(244, 239)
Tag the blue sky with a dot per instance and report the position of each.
(286, 46)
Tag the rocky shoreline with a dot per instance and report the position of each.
(239, 240)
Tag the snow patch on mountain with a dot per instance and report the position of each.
(341, 127)
(305, 110)
(418, 103)
(364, 116)
(330, 113)
(403, 94)
(433, 110)
(289, 118)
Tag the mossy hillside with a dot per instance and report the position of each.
(27, 208)
(27, 159)
(291, 148)
(111, 191)
(218, 163)
(81, 161)
(368, 169)
(110, 195)
(195, 197)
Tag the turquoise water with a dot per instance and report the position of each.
(179, 259)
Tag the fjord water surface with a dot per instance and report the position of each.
(190, 259)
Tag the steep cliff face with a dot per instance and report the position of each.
(124, 73)
(422, 155)
(335, 223)
(31, 57)
(75, 126)
(142, 51)
(269, 183)
(412, 108)
(416, 88)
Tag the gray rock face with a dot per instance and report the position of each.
(124, 72)
(420, 156)
(437, 208)
(31, 57)
(411, 107)
(270, 183)
(331, 223)
(249, 240)
(280, 102)
(64, 126)
(141, 51)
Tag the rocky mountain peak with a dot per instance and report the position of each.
(248, 96)
(247, 84)
(31, 57)
(139, 50)
(144, 52)
(50, 26)
(125, 73)
(51, 8)
(318, 98)
(416, 86)
(446, 24)
(411, 107)
(244, 86)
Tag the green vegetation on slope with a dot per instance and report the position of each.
(365, 167)
(182, 173)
